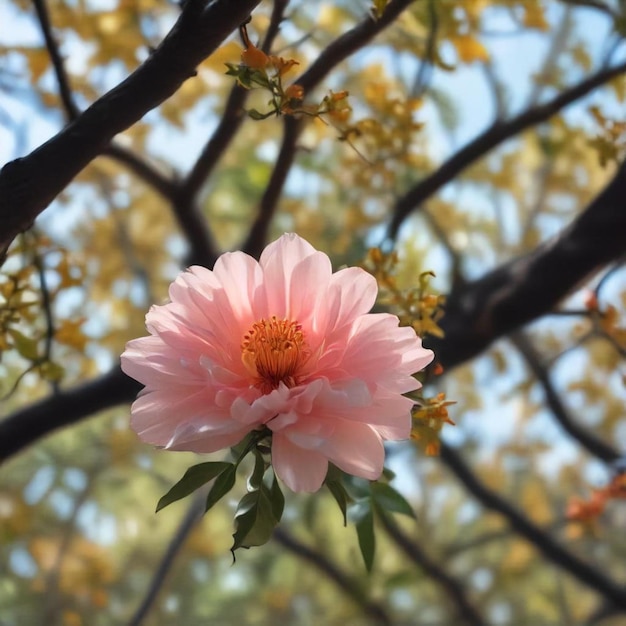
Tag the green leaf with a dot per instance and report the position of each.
(334, 474)
(241, 73)
(367, 540)
(246, 445)
(357, 488)
(379, 7)
(256, 478)
(388, 499)
(194, 477)
(254, 520)
(388, 474)
(52, 371)
(222, 485)
(277, 499)
(342, 498)
(26, 346)
(233, 69)
(257, 115)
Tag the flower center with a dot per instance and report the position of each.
(273, 351)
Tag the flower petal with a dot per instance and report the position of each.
(241, 278)
(278, 260)
(299, 469)
(356, 449)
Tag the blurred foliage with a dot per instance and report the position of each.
(80, 541)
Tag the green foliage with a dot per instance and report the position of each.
(386, 498)
(222, 485)
(258, 513)
(194, 478)
(364, 523)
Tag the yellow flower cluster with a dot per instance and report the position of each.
(421, 309)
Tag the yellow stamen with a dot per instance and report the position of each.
(273, 351)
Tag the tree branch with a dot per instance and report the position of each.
(139, 166)
(187, 524)
(185, 202)
(330, 57)
(231, 119)
(255, 241)
(143, 169)
(594, 445)
(489, 139)
(374, 611)
(43, 16)
(26, 426)
(524, 289)
(477, 313)
(467, 612)
(349, 43)
(552, 550)
(67, 407)
(29, 184)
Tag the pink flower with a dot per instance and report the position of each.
(282, 343)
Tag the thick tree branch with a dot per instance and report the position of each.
(26, 426)
(466, 611)
(189, 218)
(67, 407)
(524, 527)
(29, 184)
(481, 311)
(486, 141)
(373, 610)
(138, 165)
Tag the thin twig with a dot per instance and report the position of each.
(497, 90)
(330, 57)
(141, 167)
(255, 241)
(187, 524)
(523, 526)
(43, 16)
(489, 139)
(67, 530)
(374, 611)
(551, 60)
(593, 444)
(466, 611)
(594, 4)
(46, 305)
(278, 14)
(425, 68)
(231, 119)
